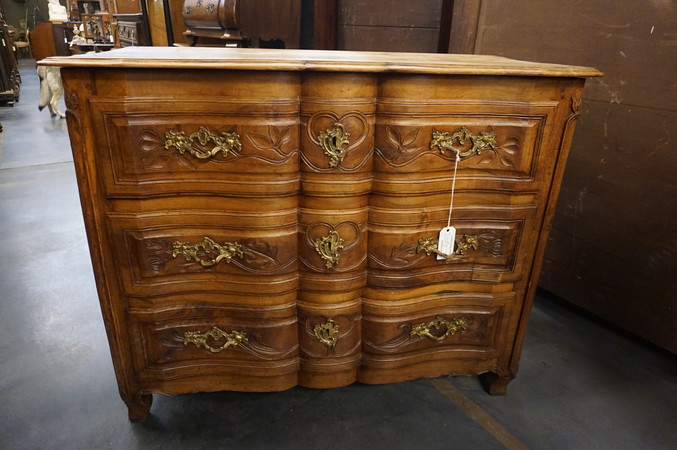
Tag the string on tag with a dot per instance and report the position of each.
(453, 187)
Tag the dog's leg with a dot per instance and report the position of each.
(55, 88)
(44, 88)
(57, 92)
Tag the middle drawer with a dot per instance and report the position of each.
(249, 254)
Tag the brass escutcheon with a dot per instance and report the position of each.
(464, 243)
(327, 333)
(332, 142)
(452, 326)
(200, 250)
(329, 248)
(443, 141)
(224, 143)
(215, 336)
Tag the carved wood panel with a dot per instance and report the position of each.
(225, 337)
(220, 152)
(165, 254)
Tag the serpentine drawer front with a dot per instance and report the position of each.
(260, 219)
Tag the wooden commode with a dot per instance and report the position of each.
(259, 219)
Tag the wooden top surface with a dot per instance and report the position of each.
(315, 60)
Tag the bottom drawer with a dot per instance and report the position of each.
(215, 348)
(431, 336)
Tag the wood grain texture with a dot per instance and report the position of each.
(466, 15)
(325, 24)
(317, 60)
(388, 13)
(268, 265)
(272, 19)
(389, 25)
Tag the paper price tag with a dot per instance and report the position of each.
(446, 241)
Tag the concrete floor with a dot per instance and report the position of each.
(581, 385)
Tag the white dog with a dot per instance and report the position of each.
(51, 89)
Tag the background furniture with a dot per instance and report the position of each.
(275, 223)
(132, 30)
(49, 39)
(10, 79)
(274, 23)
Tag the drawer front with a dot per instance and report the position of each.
(493, 148)
(491, 245)
(504, 137)
(186, 147)
(190, 341)
(444, 325)
(158, 254)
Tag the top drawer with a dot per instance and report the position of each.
(507, 135)
(148, 147)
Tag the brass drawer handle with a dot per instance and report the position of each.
(329, 248)
(332, 142)
(485, 141)
(224, 143)
(452, 326)
(215, 340)
(200, 251)
(464, 243)
(327, 333)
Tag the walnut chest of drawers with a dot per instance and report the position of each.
(260, 219)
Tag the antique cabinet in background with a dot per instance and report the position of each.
(132, 30)
(10, 78)
(261, 219)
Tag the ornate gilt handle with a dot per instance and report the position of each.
(208, 252)
(451, 327)
(224, 143)
(329, 248)
(215, 340)
(444, 141)
(327, 333)
(332, 142)
(464, 243)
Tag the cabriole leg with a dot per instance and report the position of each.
(139, 407)
(495, 384)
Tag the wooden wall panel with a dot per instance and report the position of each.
(397, 25)
(612, 250)
(387, 39)
(465, 17)
(272, 19)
